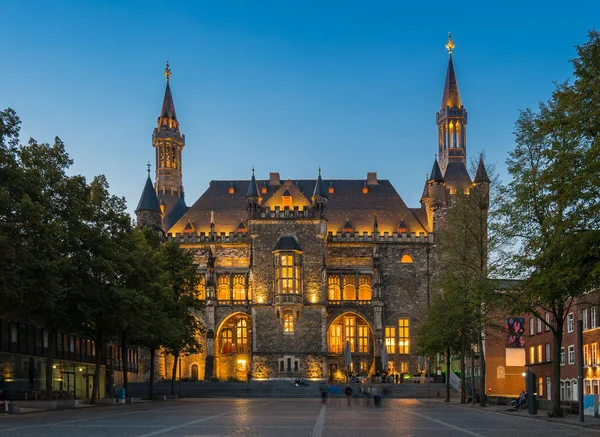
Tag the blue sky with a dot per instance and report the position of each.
(288, 86)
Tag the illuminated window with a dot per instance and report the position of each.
(241, 340)
(264, 189)
(331, 189)
(363, 339)
(223, 288)
(335, 339)
(365, 189)
(594, 354)
(364, 288)
(227, 341)
(333, 288)
(286, 199)
(287, 273)
(350, 331)
(201, 288)
(586, 355)
(406, 259)
(239, 287)
(231, 189)
(540, 387)
(390, 339)
(540, 356)
(531, 355)
(349, 288)
(288, 322)
(404, 367)
(403, 337)
(241, 365)
(363, 367)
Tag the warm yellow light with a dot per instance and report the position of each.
(54, 367)
(313, 299)
(260, 299)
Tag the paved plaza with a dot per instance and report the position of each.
(282, 417)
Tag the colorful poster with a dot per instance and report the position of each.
(515, 328)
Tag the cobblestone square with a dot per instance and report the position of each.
(281, 417)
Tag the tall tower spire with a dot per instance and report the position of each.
(451, 119)
(169, 142)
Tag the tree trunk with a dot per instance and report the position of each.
(448, 375)
(556, 372)
(125, 360)
(96, 383)
(482, 390)
(50, 361)
(174, 373)
(463, 381)
(151, 379)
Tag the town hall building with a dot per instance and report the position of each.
(296, 271)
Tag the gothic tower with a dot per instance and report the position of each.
(148, 212)
(451, 120)
(168, 141)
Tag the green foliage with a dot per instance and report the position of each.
(552, 204)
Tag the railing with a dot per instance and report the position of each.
(349, 302)
(454, 381)
(288, 298)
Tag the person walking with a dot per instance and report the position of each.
(348, 393)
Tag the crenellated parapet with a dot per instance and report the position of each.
(380, 237)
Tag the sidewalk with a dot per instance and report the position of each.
(572, 420)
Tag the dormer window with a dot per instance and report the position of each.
(365, 189)
(402, 229)
(231, 189)
(263, 190)
(347, 227)
(331, 189)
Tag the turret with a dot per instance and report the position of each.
(320, 197)
(148, 211)
(169, 142)
(481, 185)
(253, 197)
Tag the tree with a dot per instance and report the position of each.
(181, 277)
(41, 222)
(101, 271)
(551, 205)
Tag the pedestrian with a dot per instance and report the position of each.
(3, 401)
(324, 393)
(348, 393)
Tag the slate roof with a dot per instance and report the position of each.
(168, 107)
(451, 96)
(320, 190)
(348, 202)
(287, 243)
(148, 200)
(481, 175)
(436, 173)
(456, 175)
(175, 208)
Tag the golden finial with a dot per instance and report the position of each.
(168, 72)
(450, 43)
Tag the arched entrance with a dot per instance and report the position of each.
(354, 329)
(233, 348)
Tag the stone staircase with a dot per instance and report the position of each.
(282, 389)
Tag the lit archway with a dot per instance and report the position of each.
(233, 347)
(352, 328)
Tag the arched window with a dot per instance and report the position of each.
(406, 259)
(364, 288)
(227, 341)
(195, 372)
(349, 288)
(223, 288)
(239, 287)
(333, 288)
(241, 340)
(288, 322)
(201, 288)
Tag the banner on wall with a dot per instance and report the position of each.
(515, 329)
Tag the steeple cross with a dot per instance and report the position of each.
(148, 165)
(450, 44)
(168, 72)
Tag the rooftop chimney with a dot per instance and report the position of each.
(372, 178)
(274, 179)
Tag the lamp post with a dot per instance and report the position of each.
(473, 350)
(580, 366)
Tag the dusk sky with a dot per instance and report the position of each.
(287, 86)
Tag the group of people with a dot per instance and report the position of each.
(521, 401)
(367, 392)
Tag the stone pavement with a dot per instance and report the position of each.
(286, 417)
